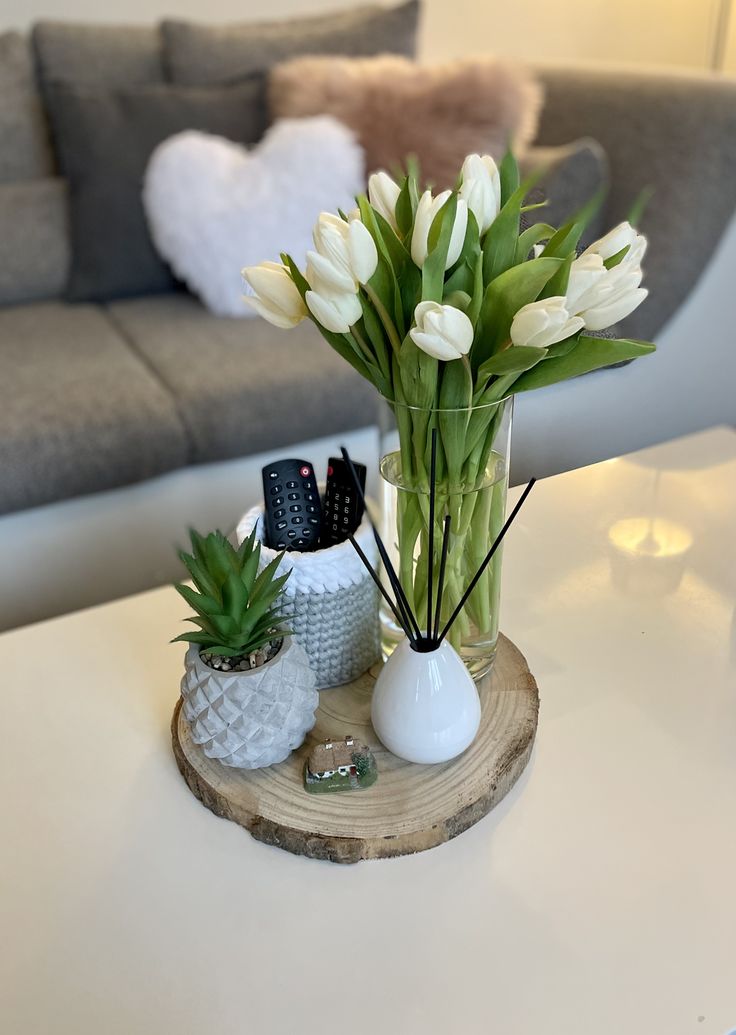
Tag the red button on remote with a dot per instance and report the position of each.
(305, 472)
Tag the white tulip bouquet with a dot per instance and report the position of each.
(449, 306)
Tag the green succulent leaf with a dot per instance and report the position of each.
(244, 607)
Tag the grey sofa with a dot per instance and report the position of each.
(99, 396)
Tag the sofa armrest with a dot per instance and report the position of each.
(675, 133)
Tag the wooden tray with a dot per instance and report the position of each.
(410, 808)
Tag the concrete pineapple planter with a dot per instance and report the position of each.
(254, 718)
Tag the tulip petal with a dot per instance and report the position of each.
(433, 345)
(604, 316)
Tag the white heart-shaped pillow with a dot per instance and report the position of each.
(214, 207)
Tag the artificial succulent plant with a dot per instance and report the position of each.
(237, 609)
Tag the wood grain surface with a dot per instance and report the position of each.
(410, 808)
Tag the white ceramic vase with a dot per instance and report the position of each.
(250, 719)
(425, 706)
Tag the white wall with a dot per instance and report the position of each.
(669, 32)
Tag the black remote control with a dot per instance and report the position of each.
(293, 511)
(343, 509)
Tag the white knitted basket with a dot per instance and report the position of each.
(332, 603)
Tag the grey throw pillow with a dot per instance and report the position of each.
(573, 174)
(111, 55)
(206, 54)
(104, 139)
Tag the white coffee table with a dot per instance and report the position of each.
(598, 899)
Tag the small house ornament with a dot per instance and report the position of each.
(339, 765)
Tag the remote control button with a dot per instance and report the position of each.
(300, 542)
(281, 524)
(297, 521)
(305, 471)
(334, 528)
(337, 495)
(281, 545)
(306, 532)
(314, 521)
(279, 513)
(273, 474)
(309, 497)
(278, 501)
(292, 485)
(291, 533)
(311, 510)
(330, 471)
(293, 496)
(346, 521)
(307, 484)
(276, 490)
(295, 508)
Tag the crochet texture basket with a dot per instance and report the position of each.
(332, 603)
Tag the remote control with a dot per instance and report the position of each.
(343, 509)
(293, 511)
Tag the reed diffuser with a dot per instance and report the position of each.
(425, 706)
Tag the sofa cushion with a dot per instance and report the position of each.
(202, 54)
(79, 411)
(243, 387)
(104, 139)
(109, 55)
(34, 243)
(25, 151)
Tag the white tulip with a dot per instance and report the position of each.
(427, 209)
(617, 295)
(544, 322)
(276, 298)
(601, 296)
(348, 246)
(481, 189)
(383, 193)
(622, 236)
(586, 274)
(441, 331)
(334, 307)
(325, 277)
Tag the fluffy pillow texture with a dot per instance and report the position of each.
(440, 113)
(214, 207)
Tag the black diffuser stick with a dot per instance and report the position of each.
(400, 621)
(487, 561)
(393, 578)
(441, 577)
(430, 545)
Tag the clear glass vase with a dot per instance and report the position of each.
(473, 446)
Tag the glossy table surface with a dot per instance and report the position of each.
(599, 897)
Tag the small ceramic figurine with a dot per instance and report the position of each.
(339, 765)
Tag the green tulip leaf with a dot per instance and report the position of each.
(508, 173)
(588, 354)
(503, 298)
(566, 239)
(528, 238)
(438, 243)
(514, 360)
